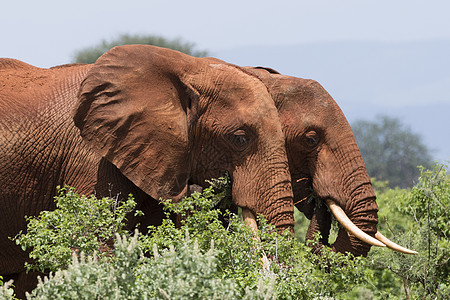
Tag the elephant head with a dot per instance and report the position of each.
(325, 160)
(166, 120)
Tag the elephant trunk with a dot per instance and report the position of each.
(341, 177)
(351, 199)
(354, 231)
(363, 214)
(280, 211)
(282, 216)
(271, 185)
(365, 218)
(277, 206)
(361, 208)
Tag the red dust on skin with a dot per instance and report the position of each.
(324, 159)
(142, 120)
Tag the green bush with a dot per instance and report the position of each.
(212, 254)
(418, 219)
(203, 258)
(6, 291)
(294, 269)
(79, 224)
(186, 273)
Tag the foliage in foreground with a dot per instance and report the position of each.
(79, 224)
(425, 227)
(418, 219)
(185, 273)
(213, 254)
(6, 291)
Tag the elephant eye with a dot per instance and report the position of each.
(240, 138)
(312, 139)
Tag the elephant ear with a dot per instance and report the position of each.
(264, 74)
(133, 110)
(270, 70)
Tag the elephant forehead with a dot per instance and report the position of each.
(257, 119)
(298, 93)
(235, 84)
(246, 100)
(259, 111)
(308, 108)
(301, 120)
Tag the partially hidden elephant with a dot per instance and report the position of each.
(324, 160)
(142, 120)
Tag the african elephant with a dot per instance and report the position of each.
(324, 159)
(142, 120)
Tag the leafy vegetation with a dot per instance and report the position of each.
(6, 291)
(417, 218)
(79, 224)
(201, 258)
(422, 223)
(212, 254)
(91, 54)
(186, 273)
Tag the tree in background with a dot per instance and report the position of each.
(91, 54)
(391, 151)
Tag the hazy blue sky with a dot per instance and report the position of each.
(47, 32)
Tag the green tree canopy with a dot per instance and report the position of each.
(91, 54)
(391, 151)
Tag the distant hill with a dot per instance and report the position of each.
(408, 80)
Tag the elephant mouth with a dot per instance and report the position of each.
(379, 240)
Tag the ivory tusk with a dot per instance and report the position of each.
(391, 245)
(340, 215)
(250, 219)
